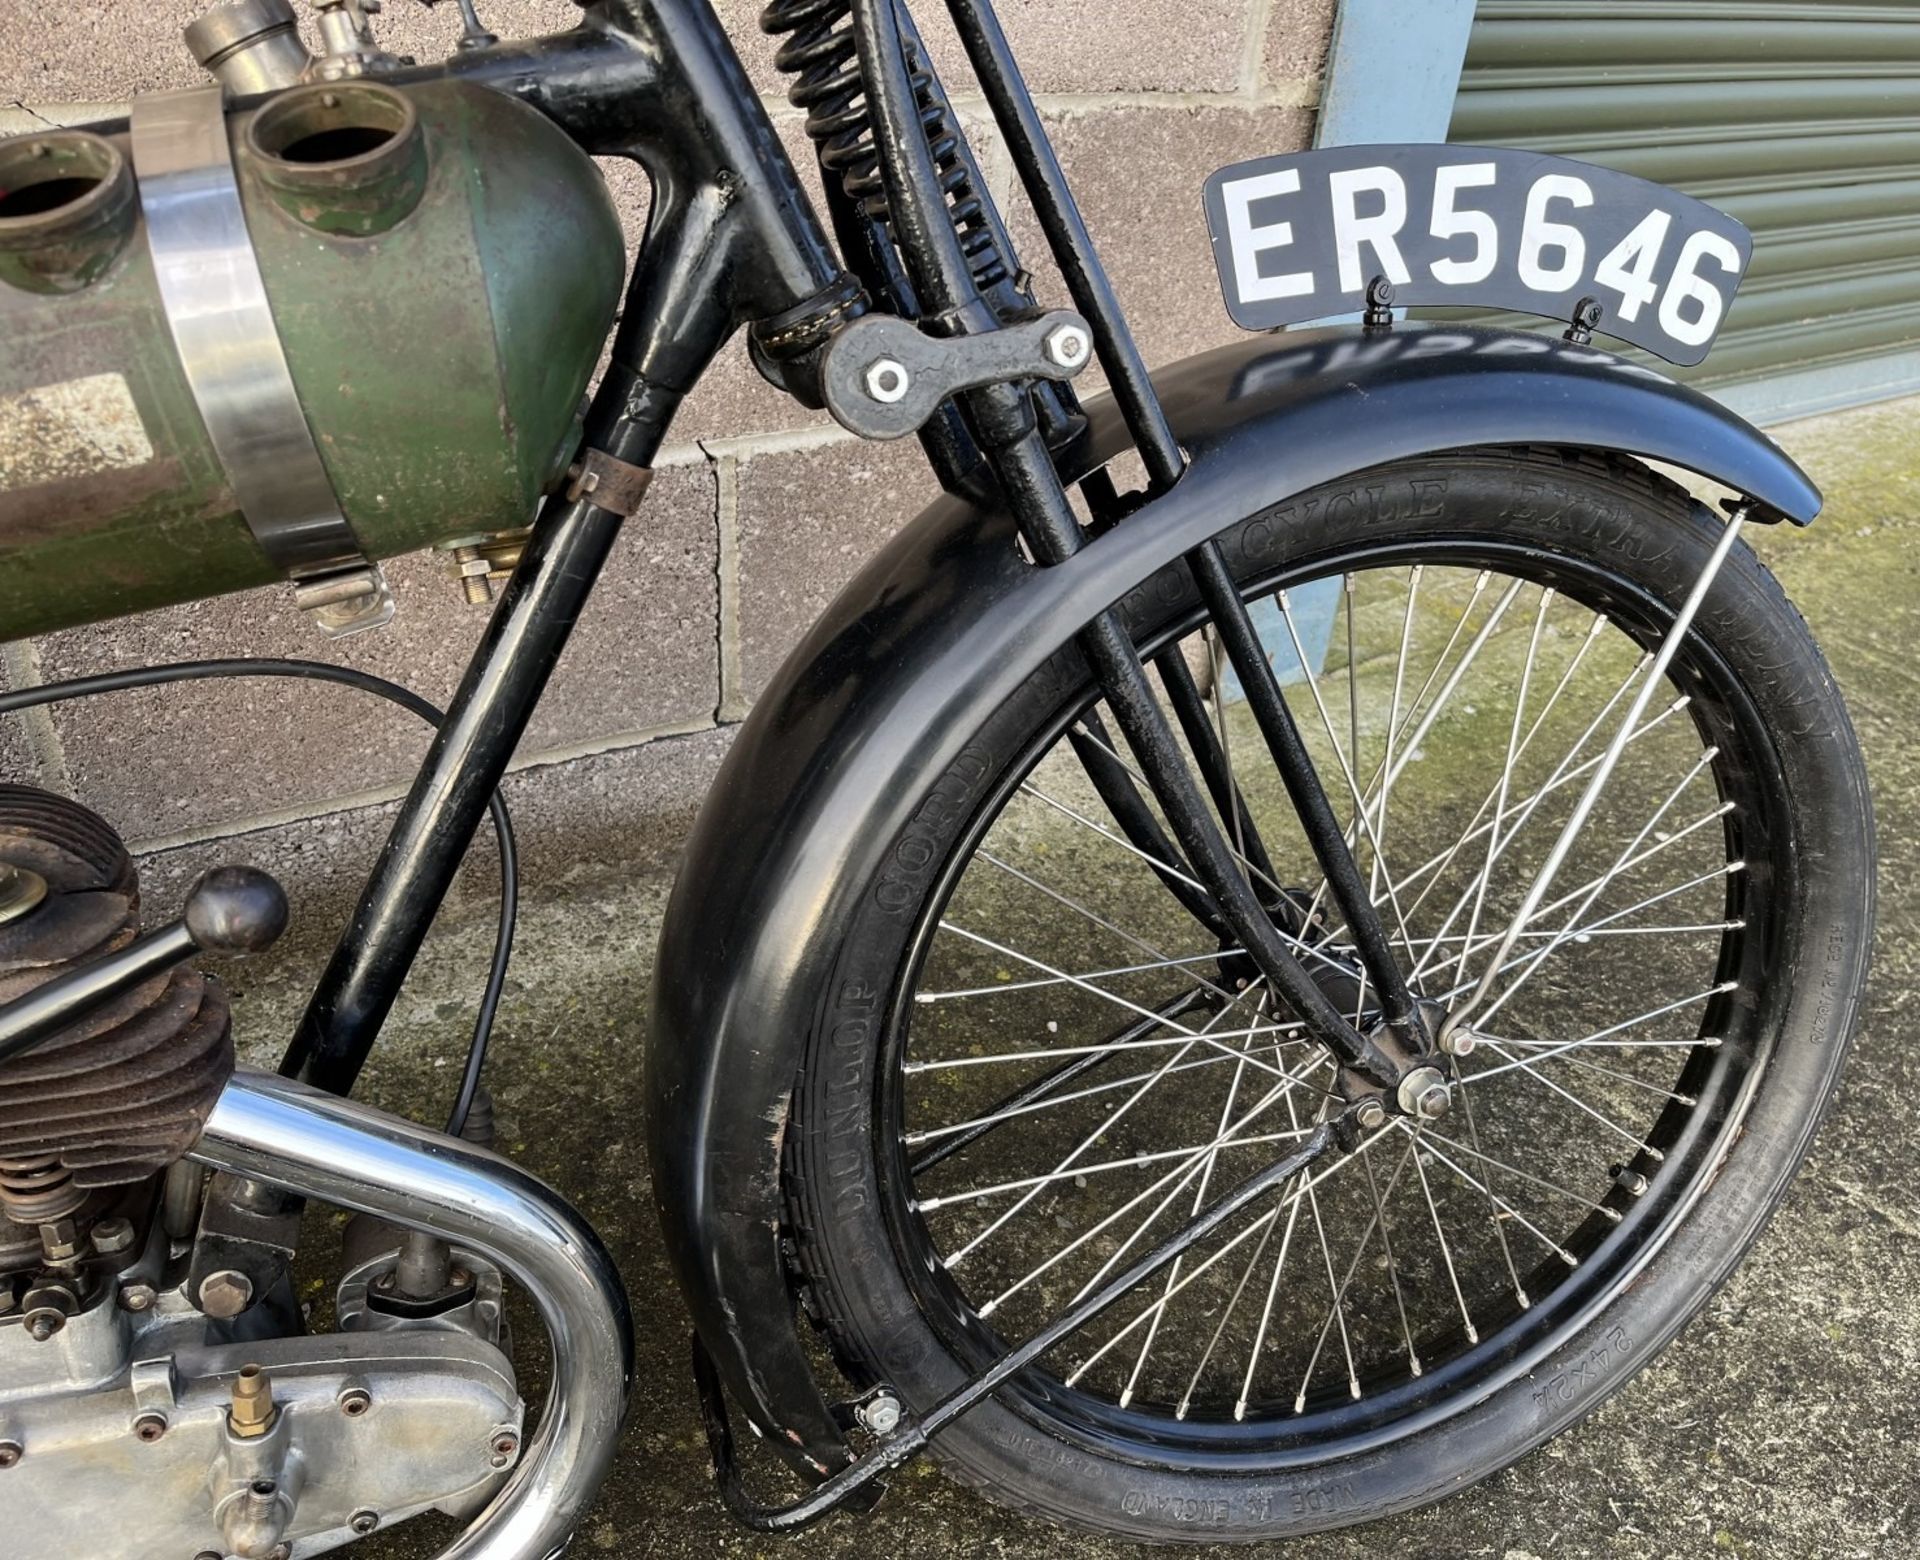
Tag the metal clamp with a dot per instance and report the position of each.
(607, 483)
(884, 378)
(229, 347)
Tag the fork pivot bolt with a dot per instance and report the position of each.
(888, 381)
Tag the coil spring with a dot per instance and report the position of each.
(38, 1189)
(820, 54)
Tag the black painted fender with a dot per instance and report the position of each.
(937, 631)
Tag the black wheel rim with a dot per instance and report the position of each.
(1621, 1232)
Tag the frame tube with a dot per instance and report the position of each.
(657, 81)
(450, 794)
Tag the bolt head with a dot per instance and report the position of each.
(150, 1427)
(60, 1240)
(364, 1522)
(1069, 346)
(112, 1236)
(224, 1295)
(1458, 1040)
(1370, 1115)
(1423, 1094)
(881, 1414)
(505, 1447)
(10, 1454)
(138, 1297)
(355, 1401)
(42, 1325)
(888, 381)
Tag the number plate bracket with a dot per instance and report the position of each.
(1299, 237)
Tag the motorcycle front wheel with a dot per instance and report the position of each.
(1036, 1063)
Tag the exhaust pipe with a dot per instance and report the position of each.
(337, 1151)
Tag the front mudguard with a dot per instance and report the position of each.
(939, 629)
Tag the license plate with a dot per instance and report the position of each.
(1299, 237)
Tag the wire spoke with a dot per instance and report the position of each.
(1522, 781)
(1201, 1269)
(1589, 798)
(1512, 1212)
(1361, 816)
(1432, 1133)
(1004, 987)
(1440, 1234)
(1178, 1175)
(1320, 1342)
(1087, 1142)
(1078, 1172)
(1561, 1048)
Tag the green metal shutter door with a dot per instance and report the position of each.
(1801, 119)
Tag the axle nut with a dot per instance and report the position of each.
(888, 381)
(1423, 1094)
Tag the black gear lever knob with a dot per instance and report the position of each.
(235, 910)
(230, 910)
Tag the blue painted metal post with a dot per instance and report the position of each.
(1393, 71)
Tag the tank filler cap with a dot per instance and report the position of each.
(250, 46)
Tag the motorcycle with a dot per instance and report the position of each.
(1267, 953)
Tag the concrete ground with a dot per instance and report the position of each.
(1781, 1423)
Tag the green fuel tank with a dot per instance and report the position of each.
(441, 265)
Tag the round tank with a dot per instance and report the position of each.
(442, 266)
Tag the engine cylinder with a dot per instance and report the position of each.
(125, 1090)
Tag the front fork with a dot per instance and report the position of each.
(1002, 419)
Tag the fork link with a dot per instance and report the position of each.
(1308, 796)
(1124, 681)
(1115, 787)
(1053, 531)
(1190, 710)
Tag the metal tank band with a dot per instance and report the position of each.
(229, 346)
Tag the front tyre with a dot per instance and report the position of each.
(1034, 1065)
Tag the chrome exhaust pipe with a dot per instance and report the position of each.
(338, 1151)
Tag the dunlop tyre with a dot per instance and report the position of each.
(1615, 516)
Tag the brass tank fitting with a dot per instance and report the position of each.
(482, 564)
(253, 1411)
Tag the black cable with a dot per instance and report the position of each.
(365, 682)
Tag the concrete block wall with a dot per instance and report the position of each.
(762, 509)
